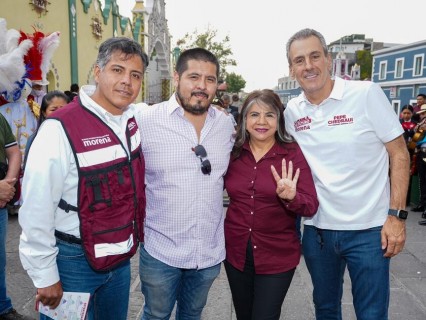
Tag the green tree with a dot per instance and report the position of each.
(208, 40)
(235, 82)
(364, 60)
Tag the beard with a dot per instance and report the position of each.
(198, 108)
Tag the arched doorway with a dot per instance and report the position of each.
(158, 73)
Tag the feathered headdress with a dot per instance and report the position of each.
(39, 56)
(12, 52)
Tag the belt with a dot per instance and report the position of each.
(67, 237)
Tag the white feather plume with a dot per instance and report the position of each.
(47, 46)
(12, 66)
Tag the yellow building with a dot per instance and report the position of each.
(84, 25)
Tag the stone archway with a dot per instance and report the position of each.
(157, 73)
(53, 78)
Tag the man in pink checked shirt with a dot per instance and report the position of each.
(186, 144)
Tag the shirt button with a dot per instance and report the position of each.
(252, 182)
(250, 229)
(251, 212)
(255, 247)
(251, 197)
(255, 168)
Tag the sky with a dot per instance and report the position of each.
(259, 30)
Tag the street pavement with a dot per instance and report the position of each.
(408, 284)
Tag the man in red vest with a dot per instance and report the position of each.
(83, 189)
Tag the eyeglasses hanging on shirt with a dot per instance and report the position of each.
(201, 153)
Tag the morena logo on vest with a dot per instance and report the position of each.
(87, 142)
(131, 125)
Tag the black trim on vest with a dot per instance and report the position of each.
(66, 206)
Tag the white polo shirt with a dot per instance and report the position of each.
(343, 141)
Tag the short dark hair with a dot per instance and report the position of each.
(74, 87)
(122, 44)
(195, 54)
(409, 107)
(422, 95)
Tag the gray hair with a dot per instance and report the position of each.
(121, 44)
(303, 34)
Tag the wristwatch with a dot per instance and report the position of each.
(401, 214)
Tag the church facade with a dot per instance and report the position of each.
(84, 25)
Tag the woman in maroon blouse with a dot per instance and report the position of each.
(262, 245)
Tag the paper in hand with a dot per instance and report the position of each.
(73, 306)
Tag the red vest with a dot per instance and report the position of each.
(111, 188)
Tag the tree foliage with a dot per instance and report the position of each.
(208, 40)
(364, 60)
(235, 82)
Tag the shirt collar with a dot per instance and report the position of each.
(336, 92)
(338, 89)
(87, 91)
(276, 149)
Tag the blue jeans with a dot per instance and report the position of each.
(163, 285)
(5, 302)
(109, 291)
(328, 252)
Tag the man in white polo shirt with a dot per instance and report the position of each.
(351, 139)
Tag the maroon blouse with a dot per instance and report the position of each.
(255, 210)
